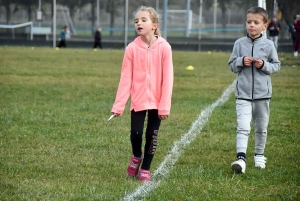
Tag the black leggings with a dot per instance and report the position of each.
(137, 128)
(62, 43)
(96, 44)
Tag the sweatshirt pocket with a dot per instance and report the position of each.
(237, 88)
(262, 88)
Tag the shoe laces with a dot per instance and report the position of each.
(260, 161)
(145, 175)
(133, 165)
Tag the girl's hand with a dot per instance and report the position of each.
(116, 114)
(163, 117)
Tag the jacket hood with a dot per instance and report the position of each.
(141, 43)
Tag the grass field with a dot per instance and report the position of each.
(56, 143)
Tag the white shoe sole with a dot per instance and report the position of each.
(237, 168)
(261, 166)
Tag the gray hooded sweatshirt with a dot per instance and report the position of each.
(253, 83)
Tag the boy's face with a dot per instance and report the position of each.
(255, 25)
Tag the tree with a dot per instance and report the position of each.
(289, 8)
(82, 3)
(6, 4)
(111, 7)
(93, 17)
(71, 5)
(28, 4)
(223, 5)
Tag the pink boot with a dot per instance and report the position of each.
(144, 175)
(133, 167)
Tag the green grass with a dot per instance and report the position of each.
(56, 143)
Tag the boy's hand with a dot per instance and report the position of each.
(247, 61)
(258, 63)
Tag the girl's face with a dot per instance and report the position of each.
(255, 25)
(143, 24)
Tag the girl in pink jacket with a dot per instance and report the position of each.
(146, 76)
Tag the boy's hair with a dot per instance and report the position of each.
(259, 10)
(153, 16)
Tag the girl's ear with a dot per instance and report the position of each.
(155, 26)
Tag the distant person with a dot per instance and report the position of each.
(62, 37)
(147, 76)
(297, 36)
(98, 38)
(292, 31)
(254, 59)
(274, 28)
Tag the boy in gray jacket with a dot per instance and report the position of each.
(254, 58)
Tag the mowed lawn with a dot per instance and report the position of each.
(56, 143)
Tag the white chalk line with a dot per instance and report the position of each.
(179, 146)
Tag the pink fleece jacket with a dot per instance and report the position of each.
(146, 76)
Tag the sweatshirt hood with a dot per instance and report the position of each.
(141, 43)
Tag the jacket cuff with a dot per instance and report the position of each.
(117, 111)
(163, 112)
(262, 65)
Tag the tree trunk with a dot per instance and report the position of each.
(93, 16)
(72, 11)
(80, 9)
(223, 20)
(112, 21)
(7, 8)
(29, 12)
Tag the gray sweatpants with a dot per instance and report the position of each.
(259, 112)
(275, 40)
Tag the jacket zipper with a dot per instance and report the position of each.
(148, 73)
(252, 70)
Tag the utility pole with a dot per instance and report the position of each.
(275, 9)
(126, 24)
(200, 25)
(165, 19)
(54, 23)
(215, 17)
(98, 13)
(188, 8)
(262, 3)
(39, 13)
